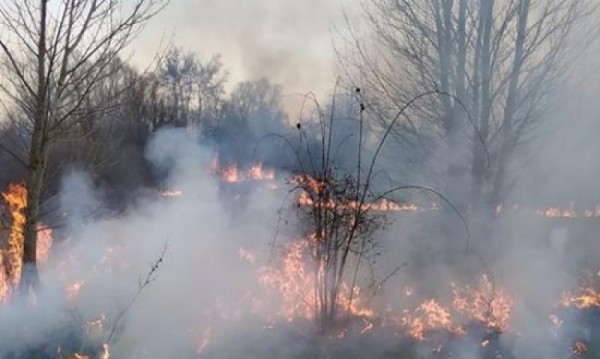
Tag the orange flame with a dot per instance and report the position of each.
(233, 174)
(16, 199)
(258, 173)
(587, 298)
(294, 282)
(430, 315)
(382, 205)
(11, 256)
(485, 303)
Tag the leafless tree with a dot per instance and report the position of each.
(497, 60)
(341, 205)
(54, 55)
(192, 89)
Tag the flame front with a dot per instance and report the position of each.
(485, 304)
(11, 252)
(233, 174)
(587, 297)
(429, 316)
(16, 199)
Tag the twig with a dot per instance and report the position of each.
(150, 277)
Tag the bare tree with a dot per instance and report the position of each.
(54, 56)
(496, 60)
(192, 89)
(341, 204)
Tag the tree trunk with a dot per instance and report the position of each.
(508, 140)
(36, 166)
(478, 168)
(29, 275)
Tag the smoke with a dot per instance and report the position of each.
(110, 254)
(202, 286)
(257, 38)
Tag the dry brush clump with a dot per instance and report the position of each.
(340, 210)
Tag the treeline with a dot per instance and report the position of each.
(184, 91)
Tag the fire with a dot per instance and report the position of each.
(293, 280)
(105, 351)
(96, 326)
(555, 212)
(171, 193)
(485, 304)
(556, 321)
(233, 174)
(429, 316)
(312, 185)
(482, 304)
(16, 199)
(368, 327)
(579, 348)
(247, 255)
(104, 355)
(568, 211)
(258, 173)
(44, 243)
(204, 340)
(72, 290)
(11, 255)
(587, 298)
(383, 205)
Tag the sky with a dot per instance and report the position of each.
(288, 41)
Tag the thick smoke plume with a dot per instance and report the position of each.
(198, 301)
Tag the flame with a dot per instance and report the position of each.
(233, 174)
(171, 193)
(485, 304)
(556, 321)
(258, 173)
(579, 348)
(247, 255)
(312, 185)
(104, 355)
(428, 316)
(96, 326)
(566, 211)
(11, 256)
(294, 282)
(555, 212)
(368, 326)
(16, 199)
(587, 298)
(105, 351)
(72, 290)
(204, 340)
(44, 243)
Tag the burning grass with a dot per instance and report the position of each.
(294, 291)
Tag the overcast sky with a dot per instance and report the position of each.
(288, 41)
